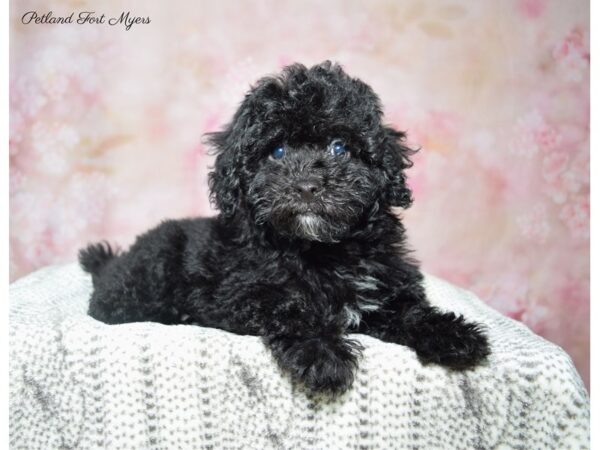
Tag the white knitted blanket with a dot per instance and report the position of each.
(78, 383)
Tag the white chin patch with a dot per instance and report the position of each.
(308, 226)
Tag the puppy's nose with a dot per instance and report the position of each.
(307, 188)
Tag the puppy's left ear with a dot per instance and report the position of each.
(396, 159)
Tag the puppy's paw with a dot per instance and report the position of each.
(449, 340)
(323, 365)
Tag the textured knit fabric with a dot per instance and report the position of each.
(78, 383)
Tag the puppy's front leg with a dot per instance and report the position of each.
(323, 363)
(443, 337)
(305, 337)
(437, 337)
(308, 343)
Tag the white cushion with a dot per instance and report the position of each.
(78, 383)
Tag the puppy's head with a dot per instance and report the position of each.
(307, 155)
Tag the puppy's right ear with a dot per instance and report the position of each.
(396, 159)
(224, 181)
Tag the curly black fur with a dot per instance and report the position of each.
(305, 247)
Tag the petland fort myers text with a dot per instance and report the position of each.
(125, 19)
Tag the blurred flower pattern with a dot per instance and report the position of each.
(106, 129)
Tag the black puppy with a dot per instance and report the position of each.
(305, 247)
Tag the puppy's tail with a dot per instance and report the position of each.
(94, 257)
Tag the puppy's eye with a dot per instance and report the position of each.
(338, 148)
(278, 152)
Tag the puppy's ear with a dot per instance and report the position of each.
(396, 158)
(233, 146)
(224, 181)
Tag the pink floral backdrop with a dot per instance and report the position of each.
(106, 126)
